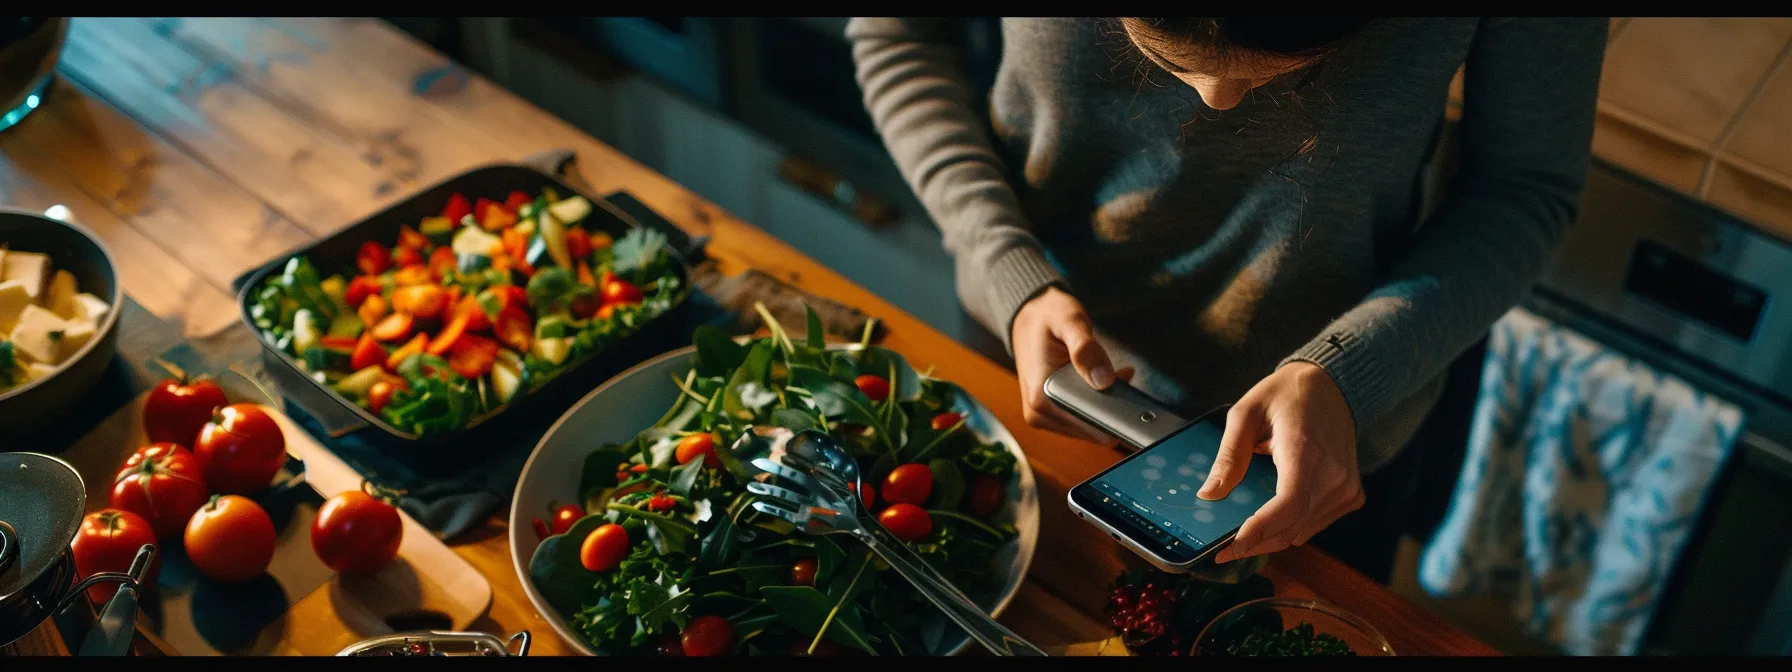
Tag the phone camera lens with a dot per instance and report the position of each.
(1147, 416)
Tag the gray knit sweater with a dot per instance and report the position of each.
(1210, 247)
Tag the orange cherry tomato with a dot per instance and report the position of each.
(945, 421)
(379, 395)
(604, 548)
(874, 387)
(701, 444)
(231, 539)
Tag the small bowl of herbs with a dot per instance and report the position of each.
(1281, 626)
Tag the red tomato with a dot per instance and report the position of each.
(373, 258)
(408, 237)
(541, 529)
(512, 328)
(908, 522)
(240, 450)
(908, 484)
(621, 291)
(422, 301)
(945, 421)
(578, 243)
(177, 409)
(564, 516)
(874, 387)
(367, 353)
(707, 635)
(360, 288)
(403, 256)
(231, 539)
(803, 572)
(107, 542)
(354, 532)
(516, 200)
(442, 262)
(457, 208)
(824, 649)
(472, 356)
(604, 548)
(987, 495)
(394, 328)
(379, 395)
(162, 483)
(699, 444)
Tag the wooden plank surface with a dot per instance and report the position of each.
(325, 120)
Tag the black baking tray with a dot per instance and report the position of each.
(442, 453)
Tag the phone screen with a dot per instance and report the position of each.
(1151, 495)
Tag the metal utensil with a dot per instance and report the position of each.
(820, 482)
(464, 644)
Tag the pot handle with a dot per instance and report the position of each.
(117, 625)
(9, 547)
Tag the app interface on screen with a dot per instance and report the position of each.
(1160, 485)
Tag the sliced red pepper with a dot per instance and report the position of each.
(516, 246)
(394, 328)
(477, 320)
(373, 258)
(407, 256)
(472, 356)
(415, 347)
(513, 329)
(408, 237)
(585, 277)
(493, 216)
(517, 200)
(337, 342)
(457, 208)
(541, 529)
(413, 275)
(450, 334)
(442, 262)
(578, 243)
(367, 353)
(360, 288)
(372, 309)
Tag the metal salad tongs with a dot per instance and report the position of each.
(818, 493)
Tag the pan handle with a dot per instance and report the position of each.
(111, 635)
(9, 547)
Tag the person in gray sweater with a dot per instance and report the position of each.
(1224, 210)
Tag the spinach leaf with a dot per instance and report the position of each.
(805, 608)
(828, 557)
(948, 485)
(718, 545)
(838, 400)
(557, 571)
(717, 354)
(905, 384)
(752, 370)
(793, 419)
(684, 475)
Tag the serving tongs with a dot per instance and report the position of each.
(433, 641)
(810, 481)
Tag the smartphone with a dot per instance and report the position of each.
(1121, 410)
(1147, 500)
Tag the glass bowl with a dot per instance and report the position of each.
(1271, 615)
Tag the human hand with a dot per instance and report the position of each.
(1052, 330)
(1300, 419)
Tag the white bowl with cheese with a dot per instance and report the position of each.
(59, 300)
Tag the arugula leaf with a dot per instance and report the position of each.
(637, 250)
(656, 604)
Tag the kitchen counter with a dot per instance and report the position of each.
(200, 148)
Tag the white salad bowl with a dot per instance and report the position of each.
(637, 398)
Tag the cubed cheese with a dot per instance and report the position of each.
(75, 337)
(61, 297)
(13, 299)
(31, 267)
(38, 335)
(38, 371)
(92, 308)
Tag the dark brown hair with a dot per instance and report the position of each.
(1222, 40)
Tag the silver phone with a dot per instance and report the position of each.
(1121, 410)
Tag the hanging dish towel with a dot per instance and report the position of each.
(1584, 474)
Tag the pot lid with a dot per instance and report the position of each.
(42, 509)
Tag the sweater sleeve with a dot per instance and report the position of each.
(1530, 89)
(920, 98)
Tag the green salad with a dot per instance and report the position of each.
(670, 558)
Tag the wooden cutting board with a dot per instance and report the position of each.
(427, 587)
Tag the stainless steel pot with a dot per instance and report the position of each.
(39, 593)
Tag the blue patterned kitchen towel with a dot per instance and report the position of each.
(1584, 475)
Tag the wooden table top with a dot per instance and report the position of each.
(200, 148)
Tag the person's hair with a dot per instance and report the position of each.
(1214, 42)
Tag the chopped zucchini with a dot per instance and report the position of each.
(304, 331)
(553, 232)
(336, 288)
(474, 240)
(469, 263)
(346, 324)
(554, 350)
(571, 210)
(507, 376)
(358, 383)
(438, 230)
(552, 326)
(538, 255)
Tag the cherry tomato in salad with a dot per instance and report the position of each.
(516, 200)
(405, 257)
(367, 353)
(379, 395)
(177, 408)
(701, 444)
(394, 327)
(564, 516)
(373, 258)
(512, 328)
(422, 301)
(240, 450)
(986, 495)
(473, 356)
(707, 635)
(578, 243)
(661, 504)
(408, 237)
(908, 484)
(944, 421)
(619, 291)
(908, 522)
(230, 539)
(355, 532)
(373, 309)
(802, 573)
(360, 288)
(604, 548)
(107, 542)
(162, 483)
(442, 262)
(874, 387)
(625, 473)
(457, 208)
(541, 529)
